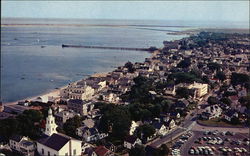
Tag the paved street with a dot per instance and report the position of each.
(188, 123)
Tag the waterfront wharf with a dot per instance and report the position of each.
(151, 49)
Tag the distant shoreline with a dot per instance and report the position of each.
(104, 25)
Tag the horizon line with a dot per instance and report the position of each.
(59, 18)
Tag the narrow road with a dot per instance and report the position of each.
(187, 125)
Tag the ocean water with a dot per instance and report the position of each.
(33, 61)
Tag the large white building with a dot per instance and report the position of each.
(200, 88)
(74, 91)
(80, 106)
(55, 144)
(59, 145)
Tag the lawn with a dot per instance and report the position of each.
(217, 122)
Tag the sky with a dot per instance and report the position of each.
(156, 10)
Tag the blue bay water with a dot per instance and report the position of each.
(28, 70)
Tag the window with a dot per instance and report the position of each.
(42, 151)
(74, 152)
(48, 153)
(54, 154)
(52, 121)
(66, 154)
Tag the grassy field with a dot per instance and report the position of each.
(217, 122)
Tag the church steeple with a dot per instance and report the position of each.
(50, 124)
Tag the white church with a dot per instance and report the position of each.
(56, 144)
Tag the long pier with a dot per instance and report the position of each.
(113, 48)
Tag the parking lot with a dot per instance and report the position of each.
(213, 143)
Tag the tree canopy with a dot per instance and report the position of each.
(181, 77)
(212, 100)
(220, 75)
(145, 131)
(214, 66)
(137, 151)
(183, 92)
(26, 124)
(130, 67)
(239, 78)
(116, 121)
(70, 126)
(184, 63)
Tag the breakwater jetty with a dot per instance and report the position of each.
(150, 49)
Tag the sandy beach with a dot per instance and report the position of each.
(55, 93)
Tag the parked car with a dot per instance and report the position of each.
(191, 151)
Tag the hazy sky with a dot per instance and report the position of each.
(164, 10)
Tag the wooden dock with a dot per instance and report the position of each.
(112, 48)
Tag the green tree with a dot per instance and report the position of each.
(145, 114)
(140, 91)
(235, 121)
(245, 101)
(8, 128)
(182, 77)
(183, 92)
(164, 150)
(137, 151)
(70, 126)
(214, 66)
(196, 72)
(156, 110)
(166, 105)
(226, 101)
(33, 115)
(184, 63)
(145, 131)
(212, 100)
(116, 121)
(220, 75)
(28, 123)
(239, 78)
(130, 67)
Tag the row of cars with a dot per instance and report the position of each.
(216, 132)
(201, 150)
(182, 140)
(235, 149)
(207, 150)
(220, 143)
(210, 140)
